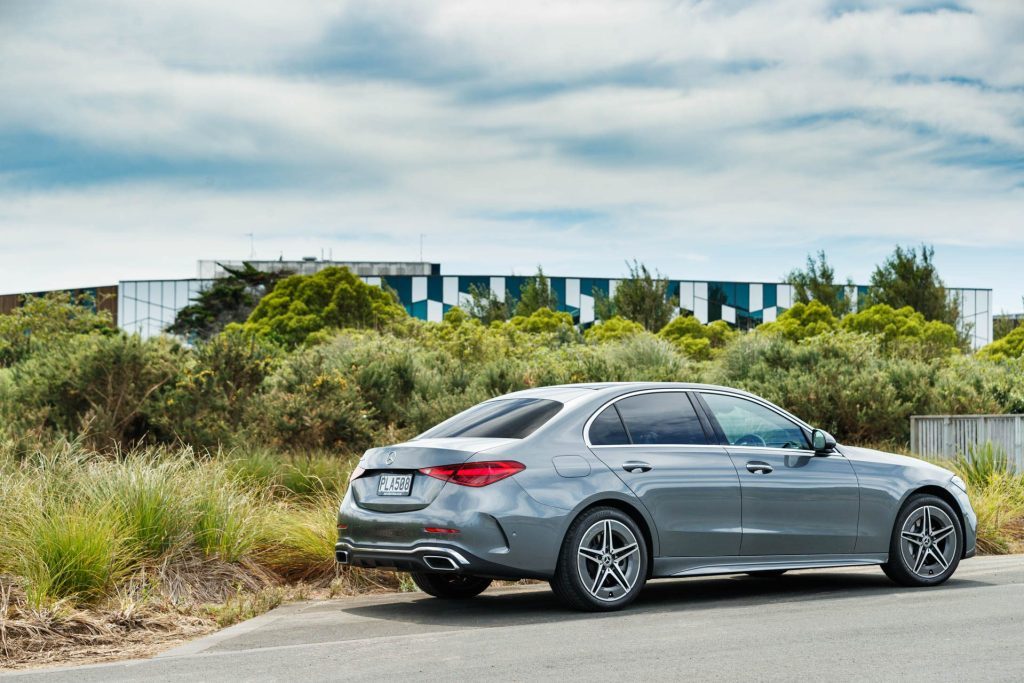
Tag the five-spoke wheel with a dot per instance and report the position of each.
(926, 544)
(603, 561)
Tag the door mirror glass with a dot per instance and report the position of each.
(822, 441)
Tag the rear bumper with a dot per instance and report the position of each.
(425, 557)
(501, 533)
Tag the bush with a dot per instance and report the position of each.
(697, 340)
(214, 390)
(543, 321)
(613, 329)
(102, 387)
(1010, 346)
(904, 328)
(309, 403)
(43, 322)
(301, 305)
(802, 321)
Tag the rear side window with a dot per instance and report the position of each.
(506, 418)
(607, 429)
(661, 419)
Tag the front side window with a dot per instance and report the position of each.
(506, 418)
(746, 423)
(661, 419)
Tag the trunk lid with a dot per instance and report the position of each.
(406, 459)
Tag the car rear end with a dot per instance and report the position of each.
(448, 501)
(421, 507)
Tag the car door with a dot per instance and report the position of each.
(795, 502)
(656, 443)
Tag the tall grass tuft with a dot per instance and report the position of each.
(299, 544)
(150, 496)
(997, 495)
(72, 552)
(227, 517)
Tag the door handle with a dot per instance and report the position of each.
(758, 467)
(635, 466)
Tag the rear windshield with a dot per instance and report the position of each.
(506, 418)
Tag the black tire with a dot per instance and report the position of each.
(948, 549)
(568, 583)
(767, 573)
(450, 586)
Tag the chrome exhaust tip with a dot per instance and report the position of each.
(440, 563)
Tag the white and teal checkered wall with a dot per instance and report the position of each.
(742, 304)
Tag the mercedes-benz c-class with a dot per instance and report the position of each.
(597, 488)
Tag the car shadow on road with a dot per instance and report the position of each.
(532, 606)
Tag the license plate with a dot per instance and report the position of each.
(394, 485)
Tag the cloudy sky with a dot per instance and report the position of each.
(713, 139)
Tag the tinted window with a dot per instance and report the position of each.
(507, 418)
(607, 429)
(661, 419)
(746, 423)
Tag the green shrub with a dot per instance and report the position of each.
(646, 358)
(904, 328)
(46, 322)
(102, 387)
(613, 329)
(310, 404)
(695, 339)
(543, 320)
(208, 400)
(334, 298)
(1010, 346)
(802, 321)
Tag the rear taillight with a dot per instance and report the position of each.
(475, 473)
(356, 473)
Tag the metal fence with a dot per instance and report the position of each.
(946, 436)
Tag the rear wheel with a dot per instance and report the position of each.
(603, 561)
(451, 586)
(926, 543)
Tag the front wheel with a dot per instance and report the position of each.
(603, 561)
(926, 544)
(450, 586)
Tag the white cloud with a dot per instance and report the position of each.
(176, 128)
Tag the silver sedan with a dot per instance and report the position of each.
(598, 487)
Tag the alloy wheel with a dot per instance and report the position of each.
(928, 541)
(608, 560)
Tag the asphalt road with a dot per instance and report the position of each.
(810, 625)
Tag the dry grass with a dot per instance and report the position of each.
(123, 627)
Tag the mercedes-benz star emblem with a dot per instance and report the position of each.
(389, 458)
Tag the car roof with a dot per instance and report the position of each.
(568, 392)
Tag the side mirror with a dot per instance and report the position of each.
(822, 441)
